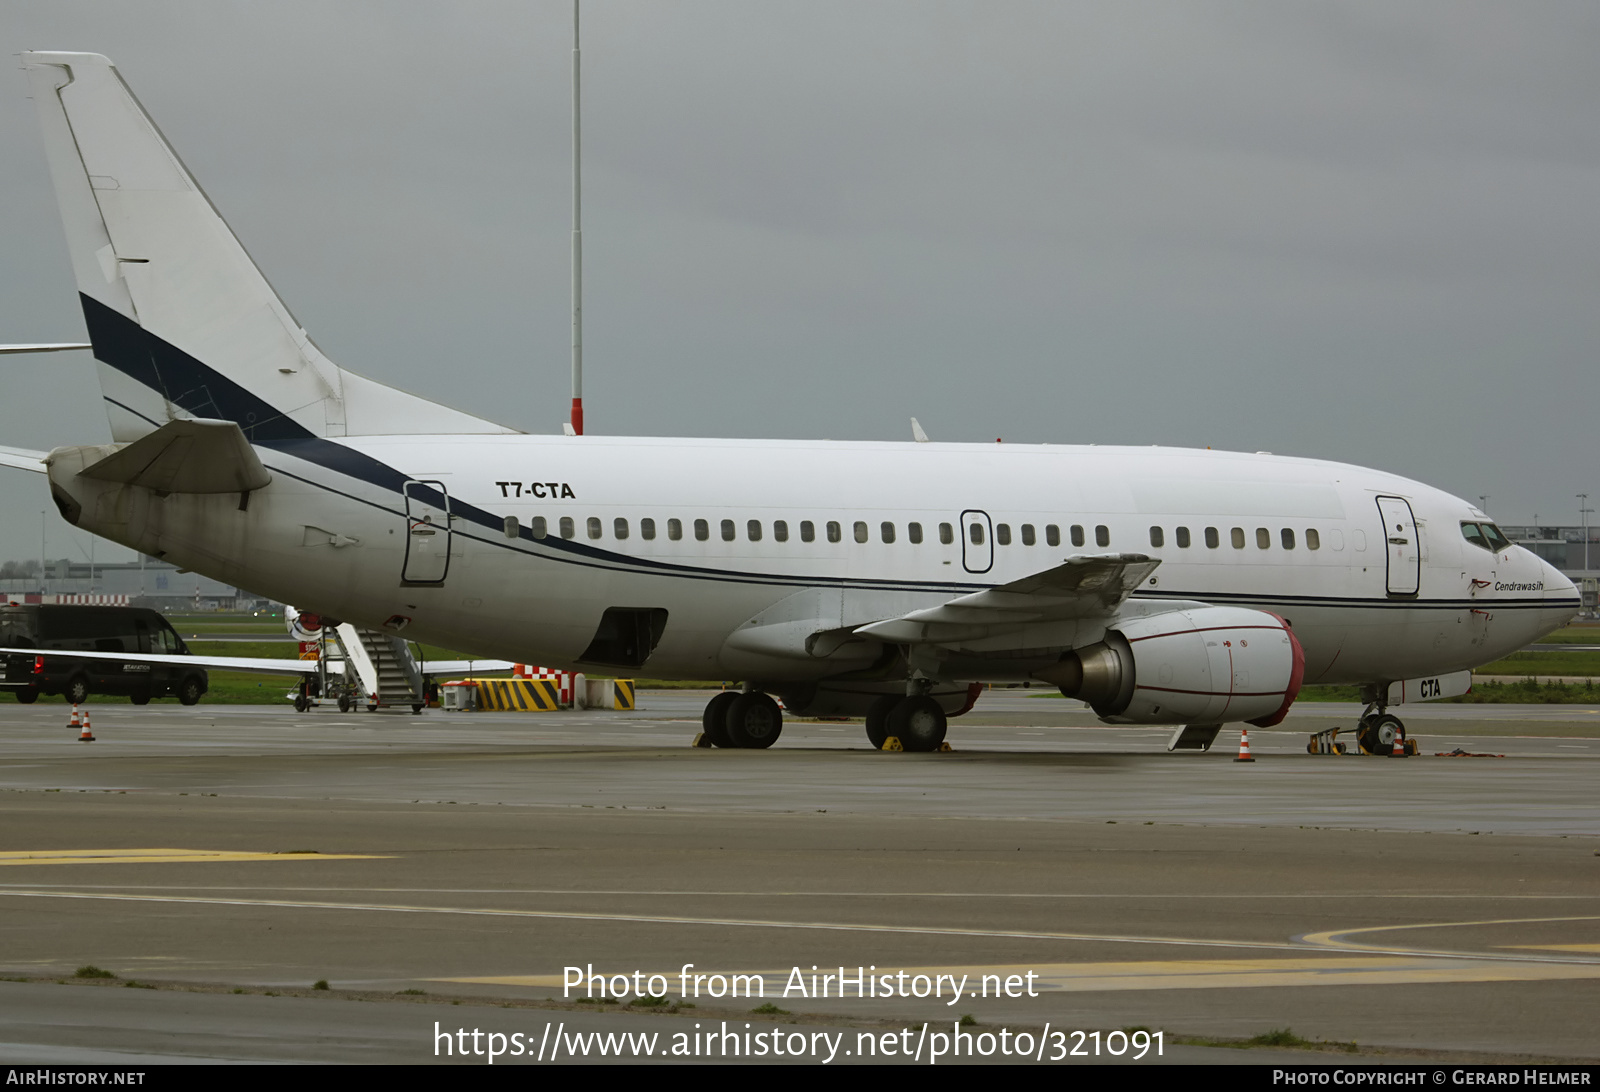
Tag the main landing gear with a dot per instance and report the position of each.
(917, 721)
(1378, 731)
(749, 720)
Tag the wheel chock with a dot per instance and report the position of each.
(944, 747)
(892, 744)
(1325, 743)
(700, 740)
(1411, 747)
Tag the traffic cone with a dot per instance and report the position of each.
(74, 722)
(1244, 746)
(1399, 748)
(85, 736)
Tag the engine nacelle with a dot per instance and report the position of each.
(1205, 666)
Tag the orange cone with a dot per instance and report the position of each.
(74, 722)
(1399, 748)
(85, 736)
(1244, 746)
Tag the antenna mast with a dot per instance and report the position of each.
(576, 426)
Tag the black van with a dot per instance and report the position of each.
(94, 629)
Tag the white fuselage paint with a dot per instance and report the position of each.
(335, 542)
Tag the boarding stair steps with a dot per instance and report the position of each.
(384, 666)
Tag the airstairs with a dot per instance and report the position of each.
(385, 672)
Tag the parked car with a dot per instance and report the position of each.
(51, 628)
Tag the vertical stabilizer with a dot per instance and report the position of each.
(182, 322)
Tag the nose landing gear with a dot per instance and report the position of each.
(1378, 732)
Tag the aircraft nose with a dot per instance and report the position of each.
(1560, 594)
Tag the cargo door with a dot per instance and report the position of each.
(427, 533)
(1401, 546)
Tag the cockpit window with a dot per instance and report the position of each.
(1485, 536)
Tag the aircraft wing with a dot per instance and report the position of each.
(256, 665)
(1080, 587)
(186, 456)
(20, 458)
(45, 347)
(463, 667)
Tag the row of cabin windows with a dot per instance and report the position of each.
(1237, 537)
(754, 531)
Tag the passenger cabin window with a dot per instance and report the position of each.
(1181, 536)
(1263, 538)
(752, 530)
(835, 532)
(702, 530)
(914, 533)
(539, 527)
(1102, 535)
(1288, 538)
(860, 530)
(675, 529)
(808, 531)
(619, 527)
(1052, 535)
(568, 528)
(887, 531)
(780, 530)
(513, 528)
(727, 530)
(1213, 540)
(1313, 540)
(1002, 534)
(1237, 535)
(1077, 535)
(975, 533)
(647, 529)
(593, 523)
(1027, 534)
(947, 534)
(1156, 537)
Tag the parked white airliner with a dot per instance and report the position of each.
(1162, 586)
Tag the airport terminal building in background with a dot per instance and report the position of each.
(146, 583)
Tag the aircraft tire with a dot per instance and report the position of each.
(301, 702)
(919, 723)
(1377, 734)
(28, 695)
(714, 721)
(77, 691)
(754, 721)
(140, 697)
(190, 690)
(878, 719)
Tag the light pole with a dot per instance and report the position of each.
(1583, 511)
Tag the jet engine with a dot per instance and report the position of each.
(1204, 666)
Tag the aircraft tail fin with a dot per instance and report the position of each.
(182, 322)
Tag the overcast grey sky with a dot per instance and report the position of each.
(1359, 231)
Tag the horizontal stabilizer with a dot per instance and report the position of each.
(50, 347)
(1080, 587)
(20, 458)
(186, 457)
